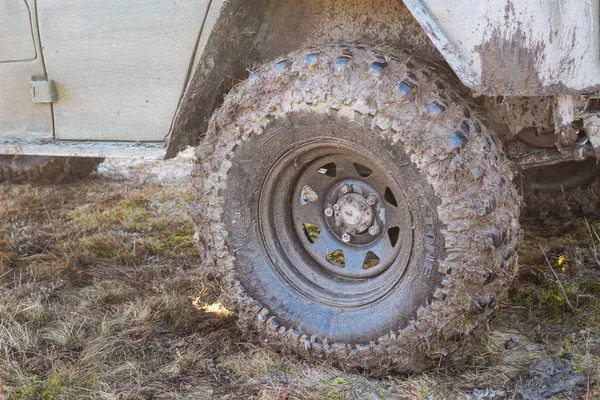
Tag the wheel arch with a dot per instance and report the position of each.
(246, 33)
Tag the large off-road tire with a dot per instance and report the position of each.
(562, 191)
(280, 157)
(40, 169)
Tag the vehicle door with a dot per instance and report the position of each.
(119, 66)
(25, 94)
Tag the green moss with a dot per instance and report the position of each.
(132, 215)
(137, 226)
(590, 287)
(546, 300)
(340, 381)
(179, 242)
(130, 250)
(38, 389)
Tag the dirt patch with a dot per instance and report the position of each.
(551, 377)
(102, 295)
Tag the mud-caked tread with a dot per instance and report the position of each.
(402, 100)
(49, 170)
(542, 206)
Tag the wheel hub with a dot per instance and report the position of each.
(353, 213)
(340, 235)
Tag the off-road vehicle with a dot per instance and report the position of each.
(360, 162)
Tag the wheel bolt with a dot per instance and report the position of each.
(346, 238)
(336, 207)
(374, 230)
(371, 200)
(345, 189)
(328, 212)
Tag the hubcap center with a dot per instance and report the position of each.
(353, 213)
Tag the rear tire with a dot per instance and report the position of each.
(452, 199)
(562, 191)
(40, 169)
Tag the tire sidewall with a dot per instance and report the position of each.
(256, 270)
(452, 149)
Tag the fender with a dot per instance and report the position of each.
(246, 33)
(517, 48)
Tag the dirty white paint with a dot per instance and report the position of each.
(564, 112)
(20, 61)
(175, 171)
(16, 32)
(505, 47)
(120, 66)
(214, 10)
(148, 150)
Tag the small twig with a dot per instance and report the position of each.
(49, 217)
(592, 234)
(557, 280)
(587, 369)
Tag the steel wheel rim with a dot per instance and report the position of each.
(304, 264)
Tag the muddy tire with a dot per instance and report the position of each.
(382, 126)
(39, 169)
(562, 191)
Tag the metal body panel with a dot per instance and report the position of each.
(20, 52)
(120, 66)
(212, 16)
(248, 33)
(57, 148)
(517, 48)
(16, 31)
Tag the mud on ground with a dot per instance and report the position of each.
(102, 296)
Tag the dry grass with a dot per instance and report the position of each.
(102, 296)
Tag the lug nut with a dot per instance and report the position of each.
(371, 200)
(345, 189)
(346, 238)
(328, 212)
(374, 230)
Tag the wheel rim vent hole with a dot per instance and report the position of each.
(371, 260)
(337, 258)
(362, 170)
(389, 197)
(329, 170)
(312, 232)
(393, 235)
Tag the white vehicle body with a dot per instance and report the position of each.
(141, 78)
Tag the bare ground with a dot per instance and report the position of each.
(102, 296)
